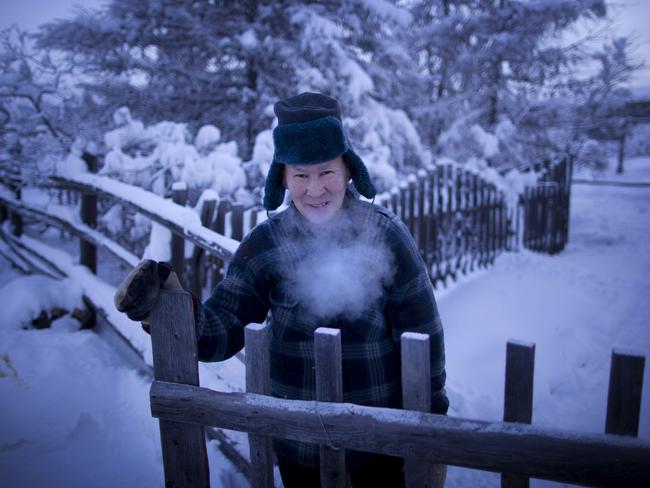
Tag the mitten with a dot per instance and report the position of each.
(138, 293)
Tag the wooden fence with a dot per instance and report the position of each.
(510, 447)
(460, 221)
(546, 209)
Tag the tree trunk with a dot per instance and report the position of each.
(621, 153)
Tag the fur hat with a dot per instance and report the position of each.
(310, 131)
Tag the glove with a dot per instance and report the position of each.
(138, 293)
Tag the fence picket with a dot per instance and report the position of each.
(394, 201)
(179, 196)
(475, 223)
(403, 213)
(175, 361)
(518, 396)
(258, 380)
(88, 211)
(493, 224)
(459, 221)
(412, 182)
(197, 272)
(329, 388)
(432, 223)
(237, 222)
(423, 218)
(416, 395)
(624, 396)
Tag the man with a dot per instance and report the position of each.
(331, 260)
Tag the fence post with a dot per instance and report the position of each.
(329, 388)
(179, 196)
(437, 238)
(219, 226)
(423, 217)
(450, 247)
(467, 244)
(483, 224)
(476, 219)
(195, 273)
(394, 205)
(493, 222)
(237, 222)
(88, 251)
(416, 395)
(518, 401)
(412, 185)
(16, 218)
(403, 189)
(258, 380)
(173, 340)
(252, 219)
(568, 177)
(431, 225)
(624, 396)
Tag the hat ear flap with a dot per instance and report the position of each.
(274, 187)
(359, 174)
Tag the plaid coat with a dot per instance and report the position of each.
(259, 281)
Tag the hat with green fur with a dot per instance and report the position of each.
(310, 131)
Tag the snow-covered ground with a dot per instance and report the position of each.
(576, 307)
(75, 415)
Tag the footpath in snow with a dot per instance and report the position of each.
(74, 415)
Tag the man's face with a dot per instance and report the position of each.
(317, 190)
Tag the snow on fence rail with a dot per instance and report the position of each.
(519, 450)
(177, 218)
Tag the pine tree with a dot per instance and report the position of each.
(493, 55)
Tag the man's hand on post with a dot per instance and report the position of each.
(137, 294)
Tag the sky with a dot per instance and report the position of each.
(628, 17)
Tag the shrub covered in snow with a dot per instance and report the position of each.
(156, 156)
(504, 147)
(592, 156)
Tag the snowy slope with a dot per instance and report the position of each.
(73, 414)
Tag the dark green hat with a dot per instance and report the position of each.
(310, 131)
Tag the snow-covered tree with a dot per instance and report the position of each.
(491, 58)
(41, 113)
(30, 125)
(588, 109)
(225, 63)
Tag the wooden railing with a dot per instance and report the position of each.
(517, 449)
(460, 221)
